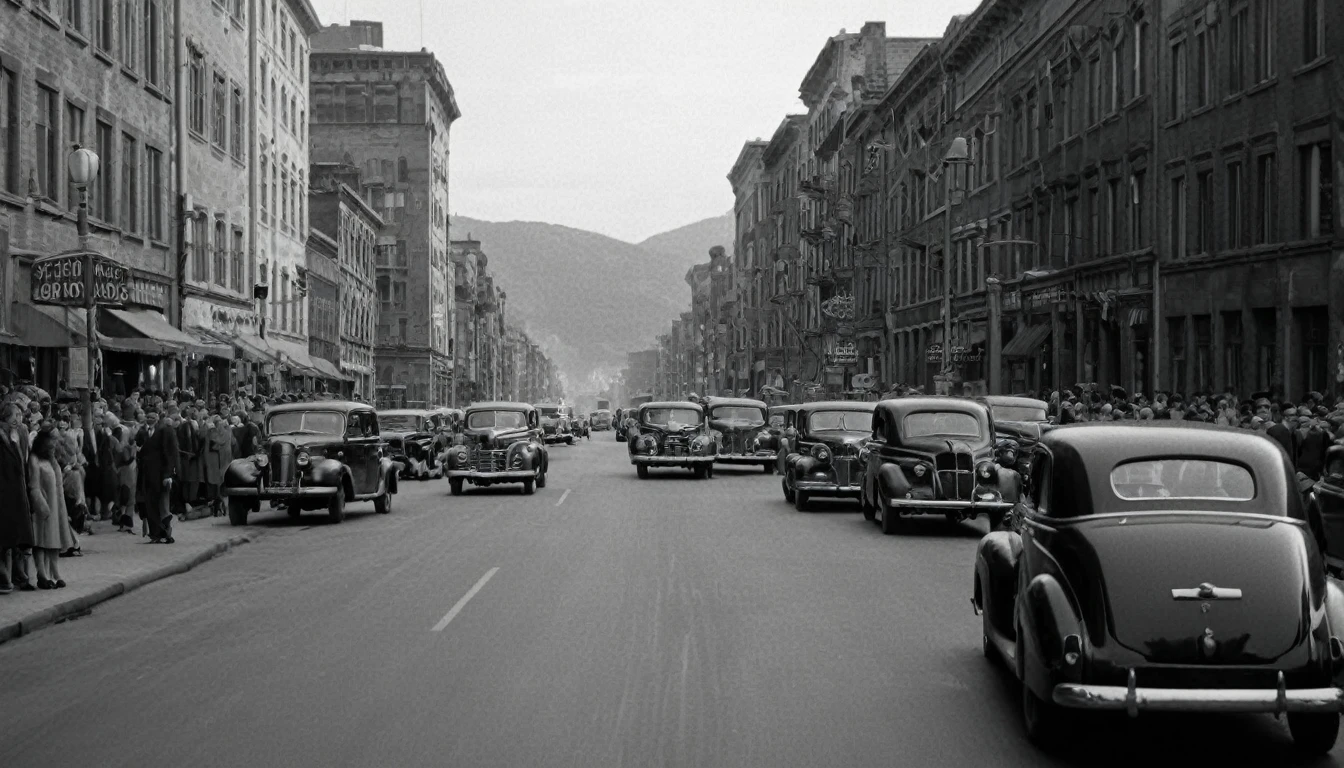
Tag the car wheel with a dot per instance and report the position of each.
(238, 511)
(800, 500)
(455, 486)
(892, 522)
(788, 492)
(529, 486)
(769, 467)
(1314, 733)
(541, 478)
(699, 471)
(1042, 720)
(709, 471)
(569, 440)
(383, 504)
(866, 507)
(294, 511)
(986, 647)
(336, 507)
(642, 471)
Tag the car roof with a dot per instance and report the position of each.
(899, 407)
(1027, 402)
(837, 405)
(787, 407)
(499, 405)
(672, 404)
(711, 402)
(336, 406)
(406, 412)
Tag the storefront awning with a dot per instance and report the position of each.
(296, 357)
(357, 368)
(255, 349)
(211, 343)
(328, 370)
(145, 331)
(39, 325)
(1027, 342)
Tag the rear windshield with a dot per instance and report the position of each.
(1018, 413)
(840, 421)
(673, 418)
(306, 423)
(549, 411)
(941, 423)
(496, 420)
(1192, 478)
(744, 414)
(399, 422)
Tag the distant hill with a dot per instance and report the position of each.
(589, 298)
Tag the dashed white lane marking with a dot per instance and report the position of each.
(452, 614)
(563, 496)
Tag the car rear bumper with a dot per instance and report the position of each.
(252, 492)
(824, 488)
(934, 506)
(510, 475)
(1134, 699)
(742, 458)
(672, 461)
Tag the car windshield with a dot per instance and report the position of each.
(672, 418)
(941, 423)
(1185, 478)
(745, 415)
(400, 422)
(496, 420)
(306, 423)
(549, 412)
(840, 421)
(1018, 413)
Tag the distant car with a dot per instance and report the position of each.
(600, 421)
(414, 440)
(555, 423)
(823, 450)
(501, 444)
(580, 427)
(934, 456)
(1157, 567)
(315, 455)
(1022, 419)
(671, 434)
(740, 429)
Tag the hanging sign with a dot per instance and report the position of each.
(79, 368)
(934, 354)
(845, 353)
(839, 306)
(59, 280)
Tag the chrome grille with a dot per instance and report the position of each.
(676, 445)
(282, 464)
(487, 460)
(844, 471)
(956, 475)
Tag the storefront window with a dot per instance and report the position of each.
(1232, 350)
(1203, 353)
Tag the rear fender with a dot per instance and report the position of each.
(996, 573)
(892, 481)
(1334, 616)
(803, 466)
(1046, 617)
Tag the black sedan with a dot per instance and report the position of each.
(823, 450)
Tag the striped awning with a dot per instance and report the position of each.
(1027, 342)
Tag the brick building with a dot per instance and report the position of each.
(389, 114)
(323, 277)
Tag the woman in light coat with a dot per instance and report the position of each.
(219, 443)
(51, 523)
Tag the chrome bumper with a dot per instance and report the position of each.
(1133, 699)
(309, 491)
(513, 474)
(672, 461)
(742, 458)
(936, 504)
(824, 488)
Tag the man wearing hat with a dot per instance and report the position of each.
(1281, 432)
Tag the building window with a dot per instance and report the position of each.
(1232, 341)
(1266, 214)
(1094, 86)
(200, 247)
(1203, 353)
(127, 21)
(385, 103)
(1033, 126)
(45, 142)
(1267, 348)
(101, 194)
(1176, 343)
(104, 16)
(1176, 83)
(74, 14)
(130, 189)
(1179, 231)
(9, 130)
(293, 52)
(1313, 17)
(1113, 216)
(284, 194)
(237, 115)
(74, 134)
(1264, 40)
(265, 187)
(154, 201)
(1117, 76)
(219, 135)
(1203, 66)
(1203, 242)
(153, 43)
(1136, 193)
(284, 107)
(1094, 220)
(293, 115)
(1138, 73)
(261, 92)
(1238, 41)
(1236, 207)
(1315, 165)
(221, 274)
(196, 79)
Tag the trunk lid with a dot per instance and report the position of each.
(1144, 559)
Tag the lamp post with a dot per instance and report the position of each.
(956, 155)
(83, 169)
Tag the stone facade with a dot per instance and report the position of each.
(324, 281)
(389, 114)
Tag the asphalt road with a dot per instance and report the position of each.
(670, 622)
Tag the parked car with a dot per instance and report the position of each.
(934, 456)
(414, 441)
(740, 430)
(1156, 567)
(315, 455)
(555, 424)
(671, 434)
(502, 443)
(600, 420)
(779, 419)
(1020, 419)
(823, 450)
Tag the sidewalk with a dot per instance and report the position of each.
(113, 564)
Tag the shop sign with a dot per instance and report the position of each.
(79, 368)
(1044, 298)
(964, 355)
(59, 280)
(839, 306)
(934, 354)
(844, 353)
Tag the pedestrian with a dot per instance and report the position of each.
(105, 465)
(16, 527)
(126, 466)
(189, 452)
(219, 445)
(51, 521)
(159, 467)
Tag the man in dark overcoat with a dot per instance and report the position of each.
(159, 468)
(16, 523)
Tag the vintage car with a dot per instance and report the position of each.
(741, 431)
(822, 449)
(1155, 567)
(501, 443)
(600, 420)
(934, 456)
(579, 426)
(415, 438)
(555, 423)
(315, 455)
(1020, 419)
(1325, 508)
(779, 419)
(671, 434)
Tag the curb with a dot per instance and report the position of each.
(41, 618)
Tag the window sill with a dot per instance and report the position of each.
(103, 226)
(130, 74)
(77, 36)
(134, 238)
(103, 56)
(1312, 66)
(158, 244)
(1233, 98)
(218, 151)
(1262, 86)
(197, 136)
(47, 18)
(1111, 118)
(157, 93)
(238, 161)
(1199, 111)
(1136, 102)
(12, 200)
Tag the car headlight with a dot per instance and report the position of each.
(920, 469)
(700, 445)
(303, 460)
(648, 445)
(517, 462)
(260, 460)
(1010, 457)
(821, 453)
(986, 470)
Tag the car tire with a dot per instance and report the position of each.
(800, 500)
(455, 486)
(788, 492)
(541, 478)
(769, 467)
(383, 504)
(569, 440)
(529, 486)
(699, 472)
(892, 522)
(709, 471)
(986, 647)
(1314, 733)
(868, 510)
(1042, 720)
(238, 509)
(336, 507)
(294, 511)
(642, 471)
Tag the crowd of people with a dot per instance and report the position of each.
(151, 456)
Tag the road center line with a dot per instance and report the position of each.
(452, 614)
(563, 496)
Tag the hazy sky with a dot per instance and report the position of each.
(619, 116)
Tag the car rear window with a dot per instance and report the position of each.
(399, 421)
(840, 421)
(752, 417)
(941, 423)
(496, 419)
(1183, 478)
(1018, 413)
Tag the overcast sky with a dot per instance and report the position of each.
(619, 116)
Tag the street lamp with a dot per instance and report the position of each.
(82, 167)
(957, 154)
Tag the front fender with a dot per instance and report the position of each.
(328, 472)
(386, 465)
(1046, 616)
(527, 451)
(891, 479)
(803, 466)
(241, 473)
